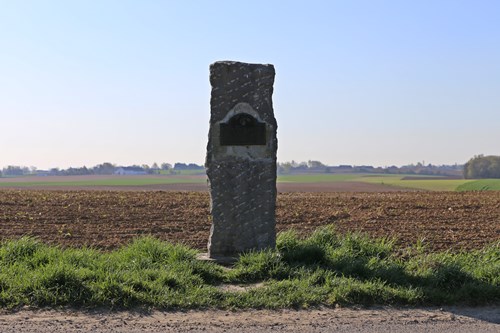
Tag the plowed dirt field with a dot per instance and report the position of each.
(108, 219)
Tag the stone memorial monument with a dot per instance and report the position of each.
(241, 159)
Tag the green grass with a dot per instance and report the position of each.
(481, 185)
(420, 184)
(324, 269)
(316, 178)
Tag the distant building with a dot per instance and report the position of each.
(130, 171)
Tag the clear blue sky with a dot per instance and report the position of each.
(357, 82)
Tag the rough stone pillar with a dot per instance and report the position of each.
(241, 158)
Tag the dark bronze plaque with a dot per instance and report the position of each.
(242, 130)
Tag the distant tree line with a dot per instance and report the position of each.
(100, 169)
(478, 167)
(190, 166)
(14, 170)
(417, 169)
(481, 166)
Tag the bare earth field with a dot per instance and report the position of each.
(108, 219)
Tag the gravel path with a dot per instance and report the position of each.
(380, 319)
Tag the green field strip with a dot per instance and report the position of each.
(480, 185)
(316, 178)
(109, 182)
(386, 180)
(433, 185)
(424, 184)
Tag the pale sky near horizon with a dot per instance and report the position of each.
(357, 82)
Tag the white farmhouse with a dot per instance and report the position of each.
(130, 171)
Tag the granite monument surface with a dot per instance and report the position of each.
(241, 158)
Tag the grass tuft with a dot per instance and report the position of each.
(324, 269)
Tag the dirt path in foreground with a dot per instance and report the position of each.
(380, 319)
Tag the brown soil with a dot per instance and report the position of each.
(108, 219)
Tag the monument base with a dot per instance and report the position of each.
(221, 260)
